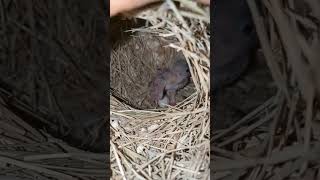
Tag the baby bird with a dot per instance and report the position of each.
(168, 81)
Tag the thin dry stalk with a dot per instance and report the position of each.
(286, 147)
(173, 142)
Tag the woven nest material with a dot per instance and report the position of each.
(162, 143)
(29, 153)
(280, 138)
(47, 48)
(135, 63)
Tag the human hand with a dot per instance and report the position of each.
(118, 6)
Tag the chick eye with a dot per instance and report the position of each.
(187, 70)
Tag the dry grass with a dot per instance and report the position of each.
(279, 140)
(42, 44)
(28, 153)
(169, 143)
(134, 64)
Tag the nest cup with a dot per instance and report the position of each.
(171, 142)
(134, 64)
(42, 91)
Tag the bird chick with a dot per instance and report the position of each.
(168, 81)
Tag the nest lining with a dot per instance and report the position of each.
(173, 142)
(134, 65)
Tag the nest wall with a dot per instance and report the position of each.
(170, 142)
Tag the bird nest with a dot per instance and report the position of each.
(29, 153)
(279, 139)
(170, 142)
(47, 51)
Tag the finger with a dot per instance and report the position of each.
(117, 6)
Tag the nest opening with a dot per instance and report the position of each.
(135, 59)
